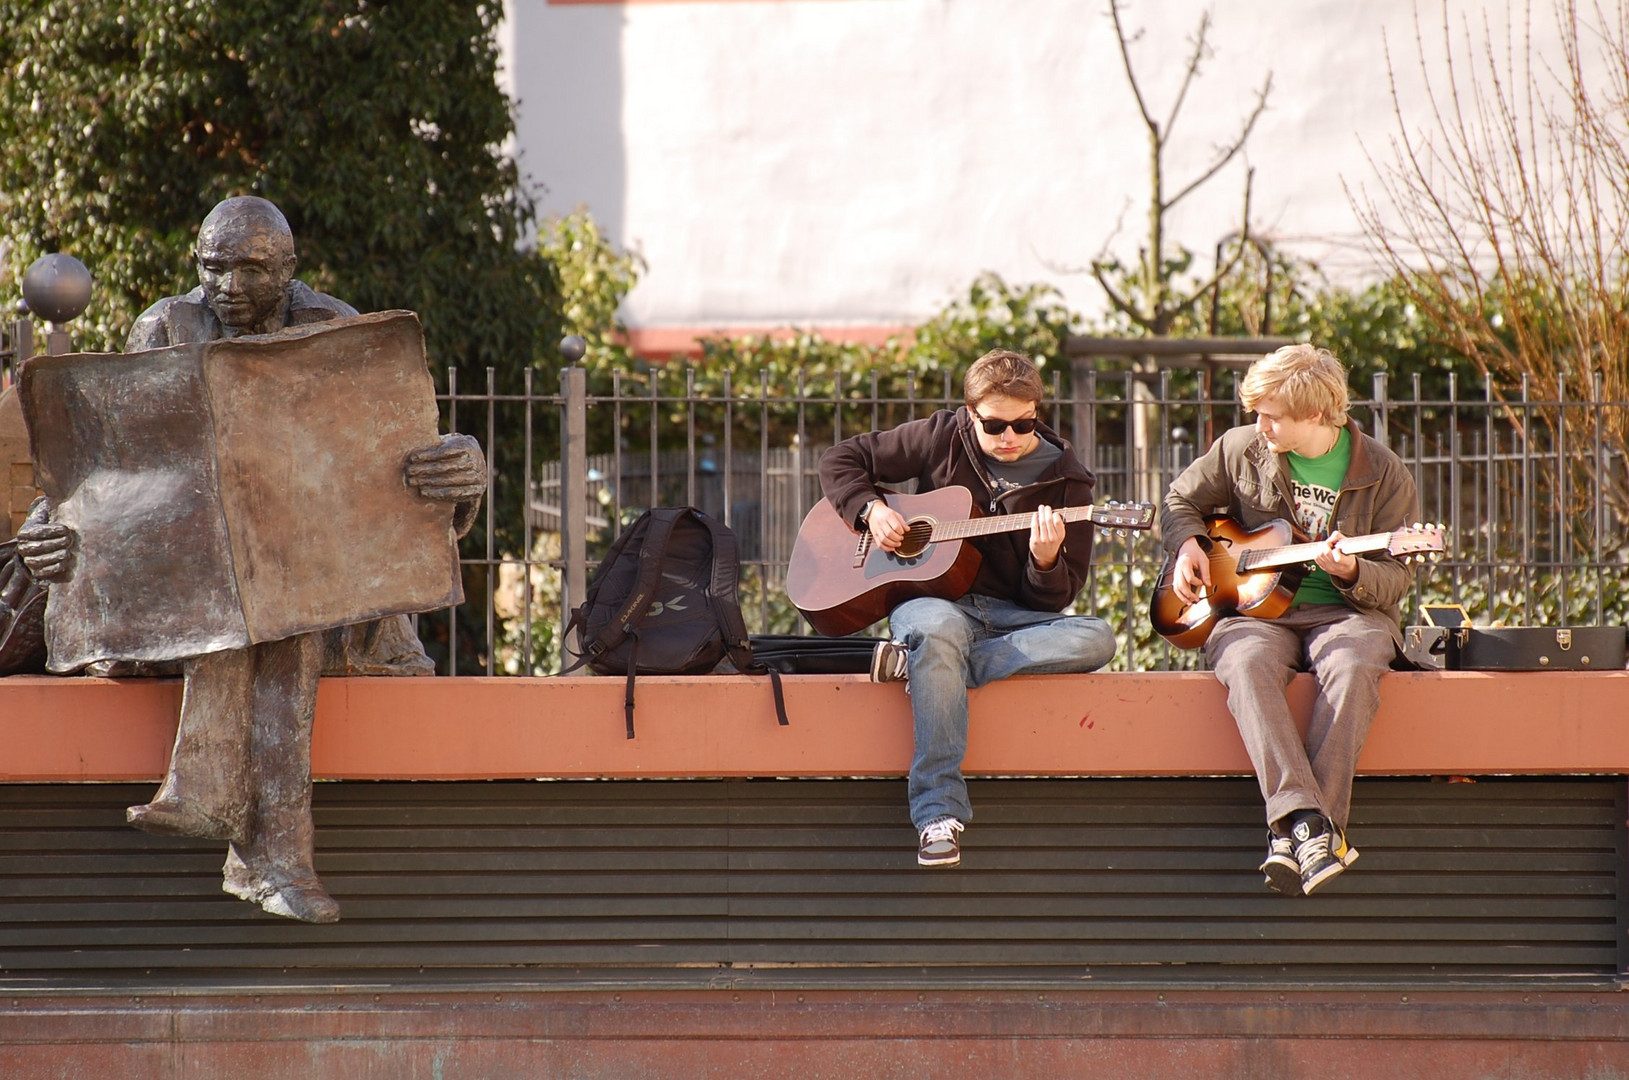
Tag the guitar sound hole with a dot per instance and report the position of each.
(915, 542)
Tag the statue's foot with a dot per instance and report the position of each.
(244, 886)
(172, 817)
(301, 898)
(305, 900)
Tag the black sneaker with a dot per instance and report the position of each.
(1316, 847)
(888, 662)
(1282, 872)
(938, 845)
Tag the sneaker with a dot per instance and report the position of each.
(1322, 853)
(1282, 872)
(939, 844)
(888, 664)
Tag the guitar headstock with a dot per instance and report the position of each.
(1121, 518)
(1417, 542)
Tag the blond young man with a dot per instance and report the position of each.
(1306, 461)
(1009, 623)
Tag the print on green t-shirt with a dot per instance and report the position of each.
(1315, 482)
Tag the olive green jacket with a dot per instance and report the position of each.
(1239, 476)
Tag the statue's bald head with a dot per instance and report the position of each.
(245, 262)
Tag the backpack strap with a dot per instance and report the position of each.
(579, 614)
(652, 557)
(628, 691)
(652, 554)
(727, 610)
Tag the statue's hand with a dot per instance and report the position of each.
(47, 550)
(452, 471)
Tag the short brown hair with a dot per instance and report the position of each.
(1002, 371)
(1306, 379)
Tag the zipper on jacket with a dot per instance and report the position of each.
(976, 455)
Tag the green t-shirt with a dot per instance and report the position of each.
(1315, 482)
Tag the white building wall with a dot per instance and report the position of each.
(843, 162)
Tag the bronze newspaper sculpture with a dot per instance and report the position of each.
(280, 595)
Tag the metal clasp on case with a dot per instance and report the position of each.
(1563, 638)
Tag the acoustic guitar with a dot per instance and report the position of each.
(843, 581)
(1256, 572)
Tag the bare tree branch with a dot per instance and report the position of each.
(1228, 153)
(1505, 218)
(1146, 294)
(1124, 42)
(1117, 301)
(1224, 270)
(1190, 72)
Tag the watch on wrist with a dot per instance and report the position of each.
(865, 512)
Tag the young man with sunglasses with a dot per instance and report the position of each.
(1008, 623)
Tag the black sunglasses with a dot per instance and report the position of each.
(996, 427)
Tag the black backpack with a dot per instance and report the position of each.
(663, 602)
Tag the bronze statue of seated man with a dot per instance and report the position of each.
(240, 769)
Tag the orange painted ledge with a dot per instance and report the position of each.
(1104, 724)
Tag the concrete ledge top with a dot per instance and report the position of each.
(1103, 724)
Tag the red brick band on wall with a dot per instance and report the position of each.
(1109, 724)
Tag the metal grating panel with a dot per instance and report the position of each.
(1062, 880)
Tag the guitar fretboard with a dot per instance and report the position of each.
(1290, 554)
(984, 526)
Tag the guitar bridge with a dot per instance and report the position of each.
(862, 549)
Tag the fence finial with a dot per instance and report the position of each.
(573, 348)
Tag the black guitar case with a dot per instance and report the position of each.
(1533, 648)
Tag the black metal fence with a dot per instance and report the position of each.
(16, 345)
(1531, 486)
(1528, 485)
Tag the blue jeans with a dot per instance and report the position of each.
(957, 645)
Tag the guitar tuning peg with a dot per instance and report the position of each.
(1417, 525)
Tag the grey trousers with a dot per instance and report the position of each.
(1347, 651)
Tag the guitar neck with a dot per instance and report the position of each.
(1290, 554)
(985, 526)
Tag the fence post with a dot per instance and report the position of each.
(573, 497)
(1382, 409)
(22, 340)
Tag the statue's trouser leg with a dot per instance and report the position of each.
(273, 864)
(205, 792)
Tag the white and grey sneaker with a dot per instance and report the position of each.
(1280, 868)
(939, 844)
(889, 662)
(1283, 870)
(1321, 850)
